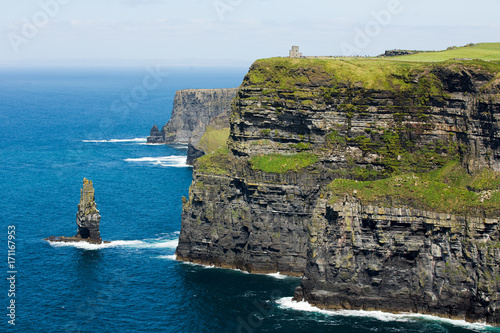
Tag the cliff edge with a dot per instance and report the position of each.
(376, 180)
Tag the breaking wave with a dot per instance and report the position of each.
(131, 244)
(169, 257)
(273, 275)
(139, 140)
(278, 276)
(288, 303)
(164, 161)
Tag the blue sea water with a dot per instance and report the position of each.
(58, 126)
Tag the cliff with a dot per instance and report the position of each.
(376, 180)
(402, 260)
(192, 112)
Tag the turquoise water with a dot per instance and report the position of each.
(58, 126)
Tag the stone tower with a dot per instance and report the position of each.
(294, 52)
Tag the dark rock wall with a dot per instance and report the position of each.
(402, 260)
(257, 223)
(193, 153)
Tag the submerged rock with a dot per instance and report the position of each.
(87, 218)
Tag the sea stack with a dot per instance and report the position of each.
(87, 218)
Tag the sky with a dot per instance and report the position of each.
(232, 32)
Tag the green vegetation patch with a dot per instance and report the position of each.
(397, 153)
(302, 146)
(380, 73)
(219, 162)
(398, 156)
(291, 73)
(447, 190)
(214, 138)
(455, 175)
(483, 51)
(277, 163)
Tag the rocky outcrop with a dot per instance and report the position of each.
(155, 136)
(193, 153)
(397, 53)
(87, 218)
(265, 203)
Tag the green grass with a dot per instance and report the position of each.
(483, 51)
(276, 163)
(447, 190)
(287, 73)
(219, 162)
(455, 175)
(213, 138)
(373, 73)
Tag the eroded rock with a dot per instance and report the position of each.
(87, 218)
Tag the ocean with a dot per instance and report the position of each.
(59, 125)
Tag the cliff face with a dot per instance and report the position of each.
(402, 260)
(193, 109)
(274, 199)
(251, 221)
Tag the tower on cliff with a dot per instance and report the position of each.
(294, 52)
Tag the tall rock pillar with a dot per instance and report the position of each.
(88, 217)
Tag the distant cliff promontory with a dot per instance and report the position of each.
(377, 180)
(197, 112)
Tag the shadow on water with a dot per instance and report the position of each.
(99, 289)
(87, 262)
(234, 297)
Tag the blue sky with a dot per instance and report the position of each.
(232, 31)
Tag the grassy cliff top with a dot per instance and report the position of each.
(483, 51)
(373, 73)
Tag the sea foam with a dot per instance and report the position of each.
(139, 140)
(169, 257)
(288, 303)
(135, 244)
(164, 161)
(273, 275)
(278, 276)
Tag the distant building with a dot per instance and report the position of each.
(294, 52)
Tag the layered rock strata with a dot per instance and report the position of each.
(402, 260)
(263, 204)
